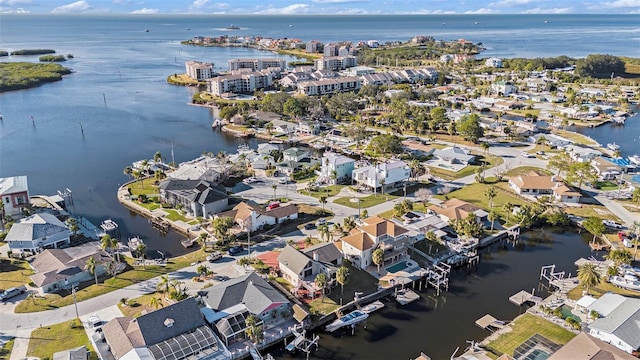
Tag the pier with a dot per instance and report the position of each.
(111, 228)
(490, 323)
(161, 224)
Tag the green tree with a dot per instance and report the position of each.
(560, 162)
(581, 172)
(141, 251)
(595, 226)
(378, 257)
(323, 200)
(202, 270)
(164, 284)
(244, 262)
(439, 115)
(588, 275)
(342, 277)
(635, 196)
(321, 282)
(385, 144)
(508, 209)
(155, 302)
(128, 171)
(600, 66)
(293, 107)
(254, 330)
(90, 266)
(490, 194)
(620, 256)
(72, 224)
(349, 223)
(324, 232)
(470, 128)
(635, 241)
(221, 227)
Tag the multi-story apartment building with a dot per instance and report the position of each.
(336, 62)
(198, 70)
(329, 86)
(243, 83)
(257, 64)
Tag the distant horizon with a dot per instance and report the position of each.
(321, 7)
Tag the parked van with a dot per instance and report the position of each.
(9, 293)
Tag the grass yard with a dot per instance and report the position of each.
(603, 288)
(525, 327)
(144, 187)
(534, 112)
(589, 210)
(365, 202)
(5, 350)
(136, 306)
(91, 290)
(149, 206)
(14, 273)
(328, 191)
(174, 215)
(578, 138)
(474, 193)
(358, 280)
(417, 206)
(525, 169)
(48, 340)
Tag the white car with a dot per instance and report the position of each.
(526, 154)
(611, 224)
(95, 322)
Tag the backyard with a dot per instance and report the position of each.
(358, 281)
(14, 273)
(601, 289)
(491, 160)
(46, 341)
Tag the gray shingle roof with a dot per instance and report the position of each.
(185, 314)
(327, 252)
(623, 322)
(251, 290)
(200, 191)
(293, 259)
(35, 227)
(12, 185)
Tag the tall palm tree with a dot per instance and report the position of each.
(334, 177)
(324, 231)
(90, 266)
(164, 284)
(105, 242)
(508, 209)
(115, 245)
(588, 276)
(128, 171)
(342, 276)
(490, 194)
(274, 187)
(323, 200)
(378, 257)
(155, 302)
(157, 157)
(321, 282)
(141, 251)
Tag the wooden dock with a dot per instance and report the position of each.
(523, 297)
(490, 323)
(596, 246)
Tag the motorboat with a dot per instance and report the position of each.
(613, 146)
(634, 159)
(134, 242)
(232, 27)
(629, 282)
(351, 318)
(376, 305)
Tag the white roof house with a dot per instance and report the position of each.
(454, 154)
(619, 323)
(14, 193)
(386, 174)
(37, 232)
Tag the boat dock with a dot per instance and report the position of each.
(187, 243)
(300, 341)
(376, 305)
(490, 323)
(111, 228)
(160, 224)
(523, 297)
(406, 296)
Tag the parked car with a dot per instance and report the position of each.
(526, 154)
(309, 226)
(11, 292)
(249, 180)
(612, 224)
(220, 278)
(627, 243)
(216, 255)
(283, 181)
(321, 222)
(273, 206)
(95, 322)
(235, 250)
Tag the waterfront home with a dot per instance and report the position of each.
(242, 83)
(421, 224)
(493, 62)
(338, 136)
(605, 169)
(384, 175)
(306, 128)
(195, 197)
(267, 148)
(57, 269)
(342, 165)
(177, 331)
(295, 154)
(329, 86)
(336, 62)
(300, 271)
(456, 209)
(503, 88)
(229, 304)
(454, 155)
(14, 194)
(582, 153)
(257, 64)
(417, 148)
(375, 232)
(326, 253)
(619, 321)
(534, 184)
(586, 347)
(198, 70)
(254, 216)
(36, 233)
(283, 127)
(552, 140)
(205, 168)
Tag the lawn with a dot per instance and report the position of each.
(603, 288)
(144, 187)
(491, 160)
(365, 202)
(48, 340)
(149, 206)
(534, 112)
(358, 280)
(5, 351)
(526, 169)
(474, 193)
(588, 210)
(136, 306)
(14, 273)
(525, 327)
(417, 206)
(174, 215)
(328, 191)
(577, 138)
(91, 290)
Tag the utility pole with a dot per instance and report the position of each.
(73, 291)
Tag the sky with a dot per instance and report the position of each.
(317, 7)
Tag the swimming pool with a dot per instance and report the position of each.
(402, 265)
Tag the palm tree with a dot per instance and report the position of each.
(635, 229)
(508, 209)
(588, 276)
(157, 157)
(490, 194)
(342, 276)
(253, 330)
(595, 226)
(164, 284)
(321, 282)
(115, 245)
(90, 266)
(617, 154)
(155, 302)
(334, 177)
(324, 231)
(244, 262)
(378, 257)
(105, 242)
(72, 224)
(202, 270)
(635, 196)
(485, 147)
(323, 200)
(141, 251)
(274, 187)
(382, 182)
(128, 171)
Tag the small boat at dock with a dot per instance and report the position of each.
(376, 305)
(629, 282)
(613, 146)
(352, 318)
(634, 159)
(619, 120)
(406, 296)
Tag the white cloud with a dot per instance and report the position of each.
(481, 11)
(14, 11)
(198, 4)
(145, 11)
(510, 3)
(15, 2)
(620, 4)
(78, 6)
(220, 6)
(427, 12)
(337, 1)
(547, 11)
(355, 11)
(292, 9)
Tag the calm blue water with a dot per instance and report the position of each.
(117, 61)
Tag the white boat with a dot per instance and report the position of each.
(134, 242)
(613, 146)
(627, 282)
(351, 318)
(634, 159)
(619, 120)
(376, 305)
(406, 296)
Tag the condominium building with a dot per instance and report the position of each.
(329, 86)
(244, 83)
(198, 70)
(331, 49)
(257, 64)
(336, 62)
(314, 46)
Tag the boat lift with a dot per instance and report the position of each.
(300, 342)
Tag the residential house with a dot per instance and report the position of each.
(254, 217)
(198, 70)
(417, 148)
(504, 88)
(325, 252)
(420, 224)
(57, 269)
(605, 169)
(14, 194)
(338, 136)
(201, 168)
(283, 127)
(229, 304)
(295, 154)
(493, 62)
(36, 233)
(300, 270)
(267, 148)
(586, 347)
(582, 153)
(177, 331)
(308, 128)
(534, 184)
(375, 232)
(551, 140)
(454, 155)
(456, 209)
(342, 165)
(78, 353)
(619, 322)
(196, 197)
(384, 175)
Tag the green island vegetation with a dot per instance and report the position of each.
(599, 66)
(33, 52)
(4, 53)
(423, 51)
(52, 58)
(184, 80)
(24, 75)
